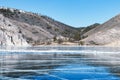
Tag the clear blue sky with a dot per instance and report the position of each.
(72, 12)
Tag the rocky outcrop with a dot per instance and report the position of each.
(9, 34)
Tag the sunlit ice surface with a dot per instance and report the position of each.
(60, 63)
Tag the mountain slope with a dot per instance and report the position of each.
(104, 34)
(49, 24)
(34, 29)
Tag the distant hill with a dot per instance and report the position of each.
(84, 30)
(19, 27)
(88, 28)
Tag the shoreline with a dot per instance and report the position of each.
(53, 44)
(58, 45)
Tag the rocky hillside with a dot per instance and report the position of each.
(105, 34)
(21, 28)
(18, 28)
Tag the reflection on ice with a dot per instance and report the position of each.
(60, 63)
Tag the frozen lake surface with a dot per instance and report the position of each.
(60, 63)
